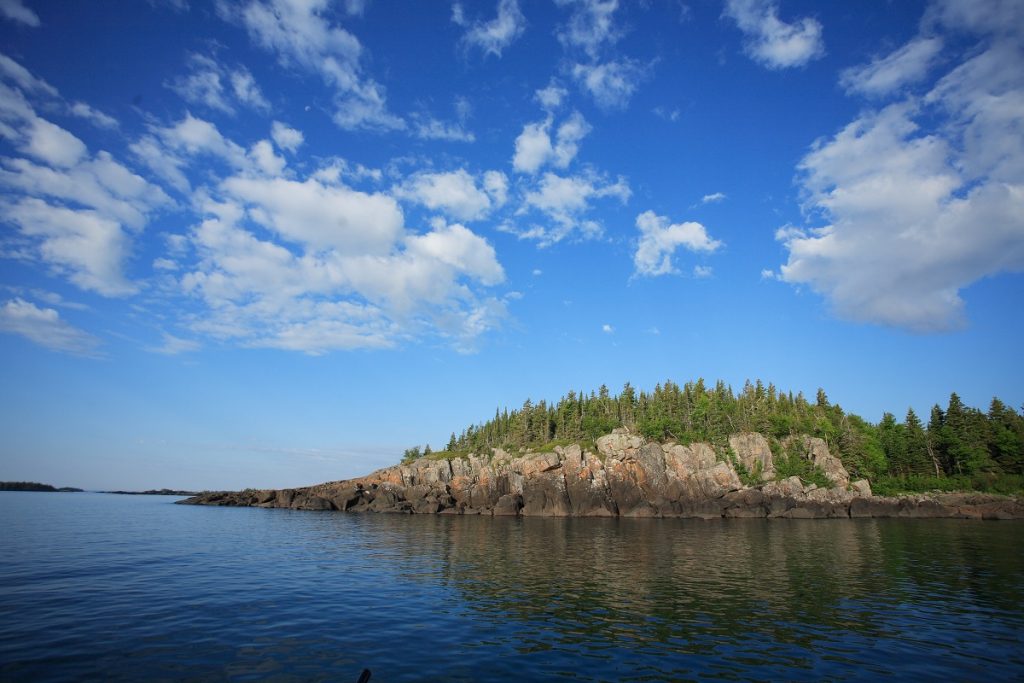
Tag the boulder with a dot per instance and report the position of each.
(618, 444)
(790, 486)
(861, 487)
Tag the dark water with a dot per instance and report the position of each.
(97, 586)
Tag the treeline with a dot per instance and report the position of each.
(958, 447)
(35, 486)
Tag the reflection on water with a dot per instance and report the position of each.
(668, 598)
(97, 588)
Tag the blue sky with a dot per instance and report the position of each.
(275, 242)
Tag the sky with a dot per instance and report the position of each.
(267, 243)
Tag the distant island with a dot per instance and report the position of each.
(35, 486)
(154, 492)
(695, 451)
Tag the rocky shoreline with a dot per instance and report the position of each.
(626, 476)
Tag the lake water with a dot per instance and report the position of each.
(96, 586)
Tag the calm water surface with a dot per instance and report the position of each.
(96, 586)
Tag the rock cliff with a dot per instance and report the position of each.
(626, 476)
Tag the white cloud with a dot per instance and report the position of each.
(52, 144)
(551, 97)
(771, 41)
(86, 246)
(265, 159)
(659, 240)
(667, 114)
(246, 90)
(429, 128)
(21, 76)
(590, 26)
(453, 192)
(100, 183)
(97, 118)
(565, 200)
(768, 274)
(611, 84)
(713, 198)
(492, 37)
(702, 272)
(166, 150)
(884, 75)
(74, 212)
(534, 146)
(496, 187)
(607, 329)
(172, 346)
(914, 215)
(261, 293)
(210, 84)
(320, 215)
(302, 35)
(286, 138)
(44, 326)
(16, 11)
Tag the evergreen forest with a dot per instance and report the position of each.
(958, 448)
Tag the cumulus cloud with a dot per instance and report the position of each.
(210, 84)
(321, 215)
(591, 25)
(713, 198)
(565, 201)
(286, 138)
(702, 272)
(492, 37)
(168, 150)
(659, 240)
(52, 144)
(771, 41)
(263, 293)
(426, 127)
(454, 192)
(86, 246)
(45, 327)
(534, 147)
(302, 35)
(884, 75)
(552, 96)
(76, 213)
(911, 214)
(611, 84)
(16, 11)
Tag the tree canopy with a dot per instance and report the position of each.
(959, 443)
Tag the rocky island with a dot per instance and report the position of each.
(625, 474)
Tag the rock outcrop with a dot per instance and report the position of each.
(627, 476)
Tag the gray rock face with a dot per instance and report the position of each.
(627, 476)
(753, 451)
(816, 450)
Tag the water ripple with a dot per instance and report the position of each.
(128, 588)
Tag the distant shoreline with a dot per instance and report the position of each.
(154, 492)
(34, 486)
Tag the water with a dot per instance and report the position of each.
(96, 586)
